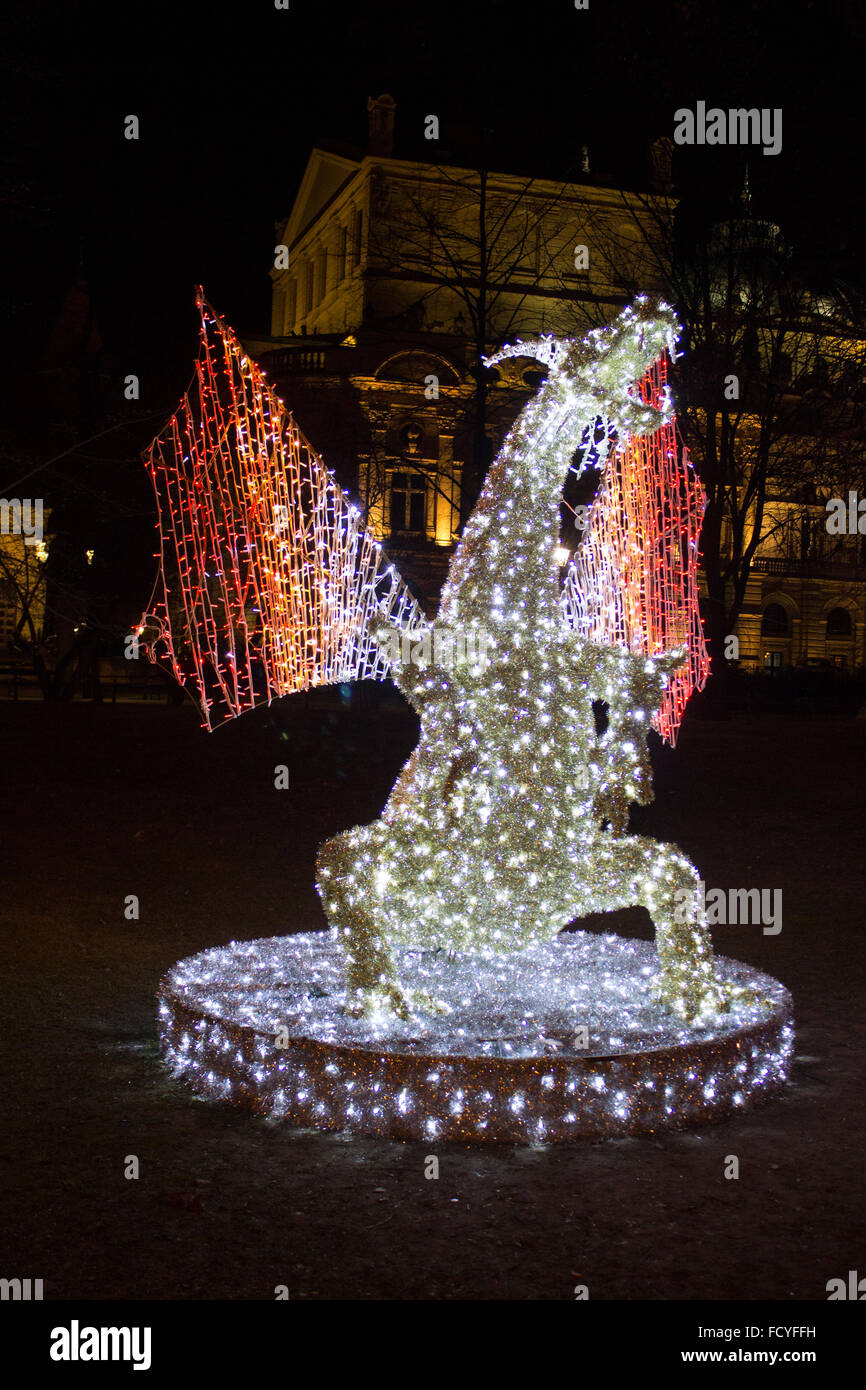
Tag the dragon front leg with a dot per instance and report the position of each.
(343, 883)
(350, 883)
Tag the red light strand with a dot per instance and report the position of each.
(633, 582)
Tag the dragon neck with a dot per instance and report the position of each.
(504, 568)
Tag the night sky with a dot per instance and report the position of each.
(232, 97)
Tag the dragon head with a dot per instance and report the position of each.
(598, 374)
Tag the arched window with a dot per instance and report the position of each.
(775, 621)
(838, 623)
(417, 367)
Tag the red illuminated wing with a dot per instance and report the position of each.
(269, 581)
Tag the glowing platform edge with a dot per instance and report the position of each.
(562, 1042)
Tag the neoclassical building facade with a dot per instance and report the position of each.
(391, 276)
(376, 352)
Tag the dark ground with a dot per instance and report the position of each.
(101, 803)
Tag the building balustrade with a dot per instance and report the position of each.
(293, 359)
(810, 569)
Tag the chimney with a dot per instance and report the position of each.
(661, 165)
(381, 116)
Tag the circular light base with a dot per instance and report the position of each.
(558, 1042)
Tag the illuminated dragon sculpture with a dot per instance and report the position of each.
(509, 820)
